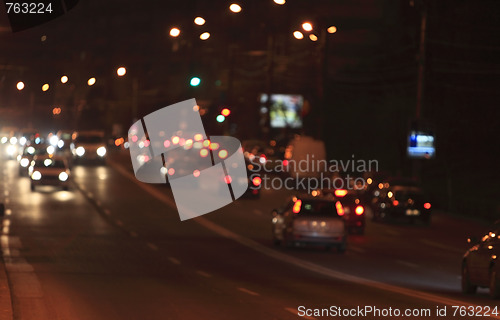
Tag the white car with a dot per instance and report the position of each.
(49, 170)
(89, 146)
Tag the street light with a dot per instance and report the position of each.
(280, 2)
(64, 79)
(236, 8)
(121, 71)
(45, 87)
(307, 26)
(332, 29)
(298, 35)
(175, 32)
(313, 37)
(199, 21)
(20, 85)
(204, 36)
(91, 81)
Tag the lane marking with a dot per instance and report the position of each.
(204, 274)
(250, 292)
(8, 212)
(90, 195)
(98, 203)
(257, 211)
(408, 264)
(174, 260)
(392, 232)
(440, 246)
(291, 259)
(6, 193)
(295, 312)
(152, 246)
(107, 212)
(119, 222)
(133, 234)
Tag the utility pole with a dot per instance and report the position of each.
(421, 63)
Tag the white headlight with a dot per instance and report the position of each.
(63, 176)
(11, 150)
(80, 151)
(60, 144)
(101, 152)
(36, 175)
(24, 162)
(22, 141)
(13, 140)
(54, 140)
(51, 150)
(4, 139)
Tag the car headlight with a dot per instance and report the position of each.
(60, 144)
(101, 152)
(63, 176)
(80, 151)
(4, 140)
(22, 141)
(13, 140)
(24, 162)
(11, 150)
(54, 140)
(36, 175)
(51, 150)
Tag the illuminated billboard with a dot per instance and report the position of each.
(285, 110)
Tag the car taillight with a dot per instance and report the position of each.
(395, 203)
(296, 206)
(359, 210)
(256, 181)
(427, 205)
(340, 192)
(340, 209)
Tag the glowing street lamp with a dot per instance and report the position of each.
(280, 2)
(20, 85)
(91, 81)
(236, 8)
(332, 29)
(64, 79)
(307, 26)
(175, 32)
(199, 21)
(45, 87)
(204, 36)
(121, 71)
(298, 35)
(313, 37)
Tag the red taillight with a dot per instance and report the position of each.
(228, 179)
(285, 163)
(263, 156)
(256, 181)
(395, 203)
(296, 206)
(427, 205)
(359, 210)
(340, 192)
(340, 209)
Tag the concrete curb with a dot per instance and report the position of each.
(5, 297)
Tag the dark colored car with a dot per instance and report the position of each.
(401, 199)
(310, 220)
(480, 267)
(354, 208)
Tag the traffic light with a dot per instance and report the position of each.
(194, 82)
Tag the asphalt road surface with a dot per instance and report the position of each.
(114, 248)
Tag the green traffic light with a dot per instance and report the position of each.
(220, 118)
(195, 81)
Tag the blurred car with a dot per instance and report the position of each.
(89, 146)
(480, 267)
(354, 208)
(254, 182)
(399, 199)
(49, 170)
(29, 152)
(306, 219)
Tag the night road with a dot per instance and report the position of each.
(114, 248)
